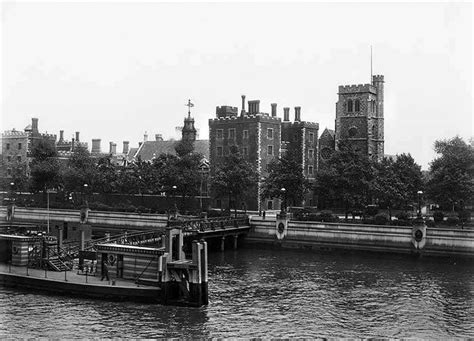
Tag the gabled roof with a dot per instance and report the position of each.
(328, 132)
(151, 149)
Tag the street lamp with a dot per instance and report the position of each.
(174, 200)
(283, 196)
(85, 194)
(420, 193)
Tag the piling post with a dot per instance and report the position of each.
(236, 238)
(205, 295)
(195, 280)
(223, 244)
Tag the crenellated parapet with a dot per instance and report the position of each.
(357, 88)
(14, 134)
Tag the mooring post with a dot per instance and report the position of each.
(205, 295)
(223, 244)
(236, 238)
(195, 289)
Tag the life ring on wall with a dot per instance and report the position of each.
(112, 259)
(418, 236)
(281, 227)
(15, 250)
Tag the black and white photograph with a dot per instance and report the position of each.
(236, 170)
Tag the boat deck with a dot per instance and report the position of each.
(74, 283)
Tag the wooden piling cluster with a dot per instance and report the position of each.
(183, 281)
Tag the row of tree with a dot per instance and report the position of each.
(346, 180)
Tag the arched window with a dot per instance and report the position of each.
(349, 105)
(357, 105)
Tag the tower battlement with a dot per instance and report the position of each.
(357, 88)
(377, 78)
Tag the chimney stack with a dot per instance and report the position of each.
(61, 135)
(125, 147)
(286, 114)
(95, 146)
(297, 114)
(242, 113)
(77, 136)
(72, 144)
(145, 137)
(274, 109)
(34, 125)
(158, 137)
(110, 147)
(254, 107)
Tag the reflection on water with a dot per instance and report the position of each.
(264, 293)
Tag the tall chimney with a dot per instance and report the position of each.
(61, 135)
(286, 114)
(34, 125)
(274, 109)
(254, 107)
(145, 137)
(114, 148)
(72, 144)
(125, 147)
(297, 114)
(110, 147)
(242, 113)
(95, 146)
(77, 136)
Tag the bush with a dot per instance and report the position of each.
(452, 220)
(372, 210)
(368, 221)
(381, 219)
(403, 215)
(464, 216)
(438, 216)
(327, 217)
(430, 223)
(401, 222)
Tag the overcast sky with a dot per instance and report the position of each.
(115, 70)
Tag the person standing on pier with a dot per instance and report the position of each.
(105, 271)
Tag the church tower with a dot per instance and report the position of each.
(359, 117)
(189, 132)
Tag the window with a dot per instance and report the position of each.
(219, 151)
(9, 158)
(9, 171)
(352, 131)
(311, 153)
(19, 145)
(220, 134)
(270, 205)
(270, 133)
(311, 137)
(357, 105)
(18, 158)
(326, 153)
(8, 146)
(245, 151)
(231, 134)
(270, 150)
(349, 105)
(310, 170)
(246, 134)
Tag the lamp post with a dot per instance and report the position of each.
(420, 193)
(283, 196)
(85, 194)
(47, 209)
(12, 202)
(175, 207)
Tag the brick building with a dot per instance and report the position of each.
(261, 138)
(17, 147)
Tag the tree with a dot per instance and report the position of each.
(45, 168)
(79, 170)
(345, 180)
(388, 187)
(451, 175)
(408, 174)
(233, 178)
(285, 172)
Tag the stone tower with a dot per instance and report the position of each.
(359, 117)
(189, 132)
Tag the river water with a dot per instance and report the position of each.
(269, 293)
